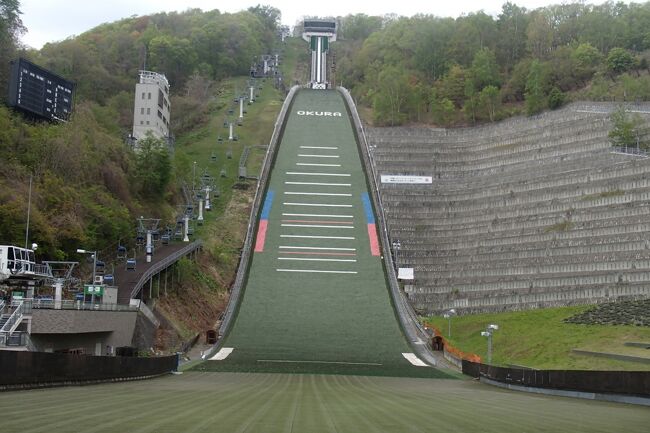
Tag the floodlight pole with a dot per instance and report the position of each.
(489, 330)
(193, 176)
(29, 208)
(447, 316)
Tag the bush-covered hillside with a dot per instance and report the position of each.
(88, 186)
(479, 68)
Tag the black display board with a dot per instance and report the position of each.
(40, 92)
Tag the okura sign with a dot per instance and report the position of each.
(319, 113)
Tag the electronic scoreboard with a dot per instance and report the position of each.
(40, 92)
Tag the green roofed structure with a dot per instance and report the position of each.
(319, 34)
(316, 296)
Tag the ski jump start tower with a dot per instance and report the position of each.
(319, 34)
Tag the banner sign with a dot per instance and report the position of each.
(405, 274)
(96, 290)
(389, 178)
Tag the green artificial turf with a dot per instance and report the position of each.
(269, 403)
(317, 322)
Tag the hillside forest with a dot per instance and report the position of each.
(482, 68)
(89, 187)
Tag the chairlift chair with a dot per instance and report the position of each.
(130, 264)
(121, 252)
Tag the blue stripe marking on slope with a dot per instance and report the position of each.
(266, 210)
(368, 208)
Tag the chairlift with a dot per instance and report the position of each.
(165, 239)
(235, 138)
(109, 280)
(219, 139)
(213, 157)
(240, 122)
(223, 173)
(225, 123)
(130, 264)
(229, 154)
(121, 252)
(99, 267)
(231, 111)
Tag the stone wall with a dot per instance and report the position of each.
(526, 213)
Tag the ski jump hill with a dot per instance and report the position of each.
(313, 293)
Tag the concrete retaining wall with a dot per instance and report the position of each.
(526, 213)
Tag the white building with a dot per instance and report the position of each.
(152, 107)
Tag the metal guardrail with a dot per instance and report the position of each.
(13, 339)
(78, 305)
(163, 264)
(634, 151)
(244, 260)
(408, 319)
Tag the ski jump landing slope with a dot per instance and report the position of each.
(316, 298)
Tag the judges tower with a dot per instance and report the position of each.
(319, 34)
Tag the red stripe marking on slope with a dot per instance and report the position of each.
(261, 236)
(374, 241)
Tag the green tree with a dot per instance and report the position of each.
(11, 27)
(511, 46)
(587, 59)
(535, 94)
(539, 35)
(484, 71)
(555, 98)
(626, 129)
(452, 85)
(489, 101)
(619, 60)
(443, 111)
(153, 168)
(392, 96)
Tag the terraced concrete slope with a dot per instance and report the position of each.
(316, 299)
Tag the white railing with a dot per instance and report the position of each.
(48, 304)
(16, 317)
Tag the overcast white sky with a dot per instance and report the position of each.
(54, 20)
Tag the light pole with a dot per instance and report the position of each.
(193, 176)
(94, 256)
(447, 316)
(489, 330)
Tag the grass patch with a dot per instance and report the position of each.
(563, 226)
(541, 339)
(604, 194)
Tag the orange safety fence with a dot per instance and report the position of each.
(453, 350)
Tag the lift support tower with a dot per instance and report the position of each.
(319, 34)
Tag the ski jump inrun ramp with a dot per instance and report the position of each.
(315, 295)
